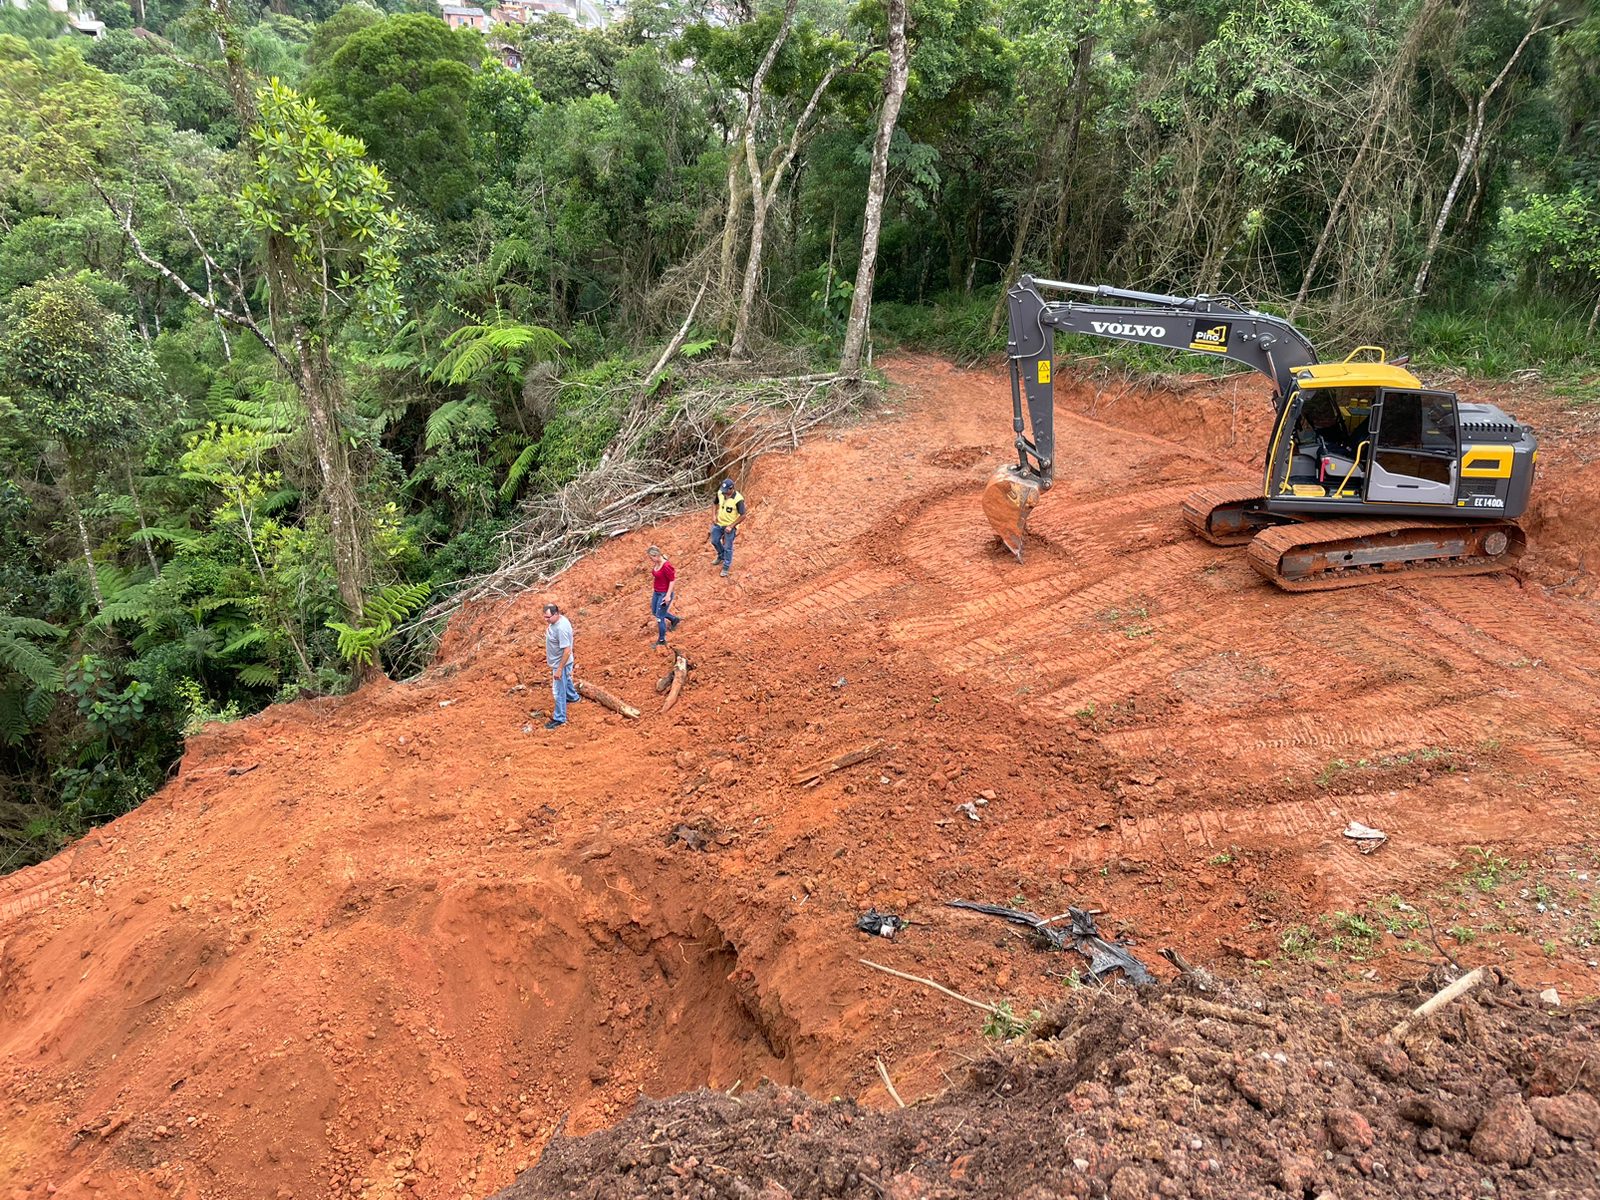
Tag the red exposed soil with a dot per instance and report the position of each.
(389, 942)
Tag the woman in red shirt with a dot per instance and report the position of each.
(665, 580)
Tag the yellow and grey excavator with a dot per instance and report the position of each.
(1368, 474)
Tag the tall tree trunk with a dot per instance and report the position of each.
(763, 191)
(319, 393)
(1081, 59)
(1388, 89)
(759, 195)
(730, 227)
(67, 472)
(138, 511)
(855, 336)
(1469, 151)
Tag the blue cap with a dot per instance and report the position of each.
(727, 485)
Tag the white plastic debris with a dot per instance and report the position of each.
(1367, 838)
(970, 809)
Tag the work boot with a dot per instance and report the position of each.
(554, 724)
(725, 571)
(674, 621)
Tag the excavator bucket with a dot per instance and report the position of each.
(1006, 501)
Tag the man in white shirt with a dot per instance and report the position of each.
(558, 654)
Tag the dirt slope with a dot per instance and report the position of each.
(389, 942)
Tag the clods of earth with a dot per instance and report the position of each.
(1172, 1093)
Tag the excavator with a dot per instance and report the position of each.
(1369, 476)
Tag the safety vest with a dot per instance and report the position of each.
(728, 507)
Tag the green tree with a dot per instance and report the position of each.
(80, 381)
(1555, 240)
(403, 86)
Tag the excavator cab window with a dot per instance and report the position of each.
(1331, 451)
(1416, 449)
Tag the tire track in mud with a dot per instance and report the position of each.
(1181, 656)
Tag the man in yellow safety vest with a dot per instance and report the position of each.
(725, 524)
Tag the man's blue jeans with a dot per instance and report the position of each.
(660, 610)
(722, 542)
(561, 687)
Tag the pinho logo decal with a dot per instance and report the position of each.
(1212, 337)
(1119, 330)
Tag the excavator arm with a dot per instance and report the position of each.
(1216, 325)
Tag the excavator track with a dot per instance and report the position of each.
(1228, 515)
(1320, 555)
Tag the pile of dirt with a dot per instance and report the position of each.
(1267, 1092)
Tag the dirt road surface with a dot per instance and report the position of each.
(386, 944)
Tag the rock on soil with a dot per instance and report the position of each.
(1118, 1094)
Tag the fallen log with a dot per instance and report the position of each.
(605, 699)
(680, 672)
(1224, 1012)
(812, 775)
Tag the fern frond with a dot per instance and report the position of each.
(172, 535)
(518, 471)
(29, 627)
(14, 723)
(250, 637)
(396, 602)
(111, 505)
(383, 610)
(508, 252)
(454, 418)
(24, 659)
(472, 348)
(259, 675)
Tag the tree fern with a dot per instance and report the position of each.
(173, 535)
(509, 252)
(454, 418)
(259, 675)
(383, 611)
(253, 636)
(505, 346)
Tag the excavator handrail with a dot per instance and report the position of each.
(1383, 355)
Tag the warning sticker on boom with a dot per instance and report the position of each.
(1044, 370)
(1212, 336)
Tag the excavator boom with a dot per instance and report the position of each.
(1214, 325)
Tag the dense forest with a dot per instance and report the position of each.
(303, 306)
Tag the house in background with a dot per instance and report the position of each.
(81, 20)
(595, 14)
(464, 16)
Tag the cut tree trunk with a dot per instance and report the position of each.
(855, 337)
(591, 691)
(680, 673)
(839, 762)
